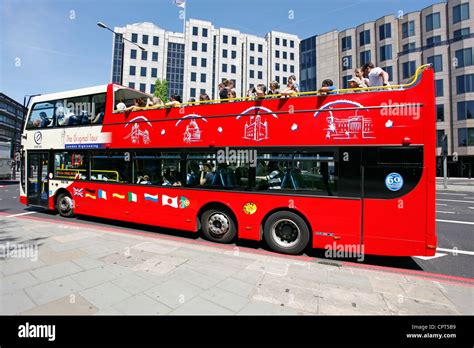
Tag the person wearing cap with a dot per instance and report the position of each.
(355, 82)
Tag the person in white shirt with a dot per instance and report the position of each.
(377, 76)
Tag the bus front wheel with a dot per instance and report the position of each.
(286, 232)
(64, 205)
(218, 226)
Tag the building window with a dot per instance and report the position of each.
(464, 57)
(277, 41)
(409, 47)
(132, 70)
(465, 110)
(203, 62)
(277, 66)
(252, 74)
(346, 43)
(252, 46)
(389, 71)
(143, 71)
(133, 54)
(432, 41)
(408, 69)
(465, 83)
(234, 40)
(439, 90)
(260, 61)
(285, 42)
(346, 63)
(385, 53)
(233, 54)
(260, 48)
(233, 69)
(144, 55)
(385, 31)
(204, 32)
(193, 61)
(142, 87)
(154, 72)
(202, 91)
(193, 76)
(277, 54)
(292, 56)
(225, 39)
(345, 81)
(292, 44)
(195, 31)
(204, 47)
(194, 46)
(156, 40)
(260, 75)
(131, 85)
(408, 29)
(285, 80)
(285, 68)
(192, 92)
(152, 88)
(440, 113)
(365, 57)
(465, 137)
(460, 33)
(252, 60)
(224, 53)
(145, 39)
(460, 12)
(203, 78)
(285, 56)
(154, 56)
(439, 137)
(292, 68)
(224, 67)
(433, 21)
(364, 37)
(437, 62)
(134, 37)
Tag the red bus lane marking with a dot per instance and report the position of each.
(469, 282)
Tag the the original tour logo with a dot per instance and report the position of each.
(38, 137)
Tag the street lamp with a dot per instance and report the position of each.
(102, 25)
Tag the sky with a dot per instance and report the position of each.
(49, 46)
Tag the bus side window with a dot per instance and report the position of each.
(98, 107)
(42, 115)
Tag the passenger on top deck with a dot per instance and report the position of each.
(175, 100)
(154, 102)
(327, 87)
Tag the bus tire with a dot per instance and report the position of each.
(286, 232)
(65, 205)
(218, 225)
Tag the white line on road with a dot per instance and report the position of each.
(471, 207)
(455, 251)
(454, 200)
(456, 222)
(441, 204)
(27, 213)
(436, 255)
(451, 194)
(445, 212)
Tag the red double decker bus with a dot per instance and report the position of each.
(351, 168)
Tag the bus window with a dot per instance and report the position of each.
(71, 166)
(98, 108)
(110, 167)
(74, 111)
(42, 115)
(147, 169)
(171, 171)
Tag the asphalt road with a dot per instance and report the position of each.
(455, 231)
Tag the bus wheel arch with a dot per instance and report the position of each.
(294, 226)
(217, 222)
(63, 203)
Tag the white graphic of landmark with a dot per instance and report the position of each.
(353, 126)
(255, 128)
(137, 134)
(192, 133)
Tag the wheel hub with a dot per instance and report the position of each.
(218, 224)
(286, 233)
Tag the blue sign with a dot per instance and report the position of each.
(394, 181)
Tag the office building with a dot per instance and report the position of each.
(12, 115)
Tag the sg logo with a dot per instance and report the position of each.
(394, 181)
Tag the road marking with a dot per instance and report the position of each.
(456, 222)
(445, 212)
(455, 251)
(430, 257)
(27, 213)
(454, 200)
(452, 194)
(441, 204)
(471, 207)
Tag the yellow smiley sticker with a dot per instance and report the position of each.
(250, 208)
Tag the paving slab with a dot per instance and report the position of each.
(201, 306)
(16, 282)
(225, 299)
(68, 305)
(105, 295)
(174, 293)
(141, 304)
(407, 306)
(15, 302)
(52, 290)
(56, 271)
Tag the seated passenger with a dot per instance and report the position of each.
(175, 100)
(252, 92)
(274, 88)
(99, 118)
(260, 90)
(224, 93)
(192, 178)
(360, 75)
(45, 122)
(204, 97)
(206, 174)
(154, 102)
(290, 89)
(327, 87)
(121, 106)
(145, 180)
(191, 100)
(296, 86)
(355, 82)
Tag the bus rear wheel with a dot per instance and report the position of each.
(65, 205)
(286, 232)
(218, 225)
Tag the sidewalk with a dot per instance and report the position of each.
(455, 184)
(85, 269)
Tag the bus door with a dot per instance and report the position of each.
(37, 179)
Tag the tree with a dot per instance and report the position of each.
(161, 90)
